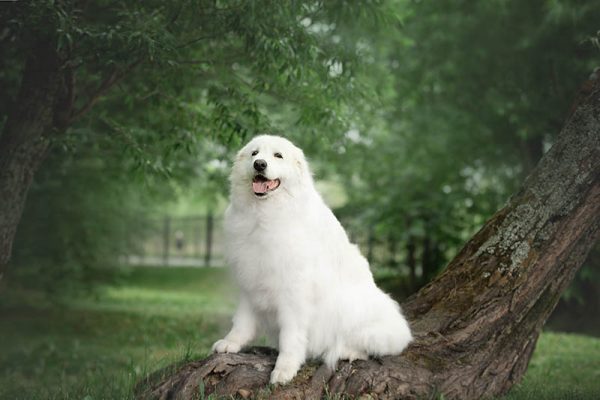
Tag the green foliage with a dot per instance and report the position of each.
(192, 70)
(587, 283)
(577, 310)
(163, 91)
(429, 113)
(470, 95)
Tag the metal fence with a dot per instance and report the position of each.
(191, 241)
(197, 241)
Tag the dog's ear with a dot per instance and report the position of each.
(240, 155)
(301, 164)
(238, 162)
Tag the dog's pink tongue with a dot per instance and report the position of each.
(260, 187)
(264, 187)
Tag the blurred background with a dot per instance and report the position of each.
(419, 119)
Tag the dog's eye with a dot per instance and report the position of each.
(278, 155)
(255, 152)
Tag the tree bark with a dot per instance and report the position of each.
(476, 324)
(25, 137)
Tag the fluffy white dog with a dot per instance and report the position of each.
(300, 278)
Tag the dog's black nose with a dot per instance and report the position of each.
(260, 165)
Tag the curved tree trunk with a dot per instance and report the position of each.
(24, 139)
(477, 323)
(44, 107)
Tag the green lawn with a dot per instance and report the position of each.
(564, 366)
(96, 347)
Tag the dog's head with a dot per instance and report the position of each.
(269, 166)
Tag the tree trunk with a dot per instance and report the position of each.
(24, 139)
(411, 261)
(427, 259)
(476, 324)
(392, 249)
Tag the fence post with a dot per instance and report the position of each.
(166, 237)
(209, 233)
(197, 237)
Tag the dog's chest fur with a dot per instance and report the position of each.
(269, 264)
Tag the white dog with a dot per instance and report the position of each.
(300, 278)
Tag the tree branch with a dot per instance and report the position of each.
(196, 40)
(115, 77)
(65, 98)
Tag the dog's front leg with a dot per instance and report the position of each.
(242, 332)
(292, 346)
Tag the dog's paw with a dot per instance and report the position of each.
(226, 346)
(352, 355)
(282, 375)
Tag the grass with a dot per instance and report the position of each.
(564, 366)
(96, 347)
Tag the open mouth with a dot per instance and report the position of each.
(261, 185)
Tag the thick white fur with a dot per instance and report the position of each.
(300, 278)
